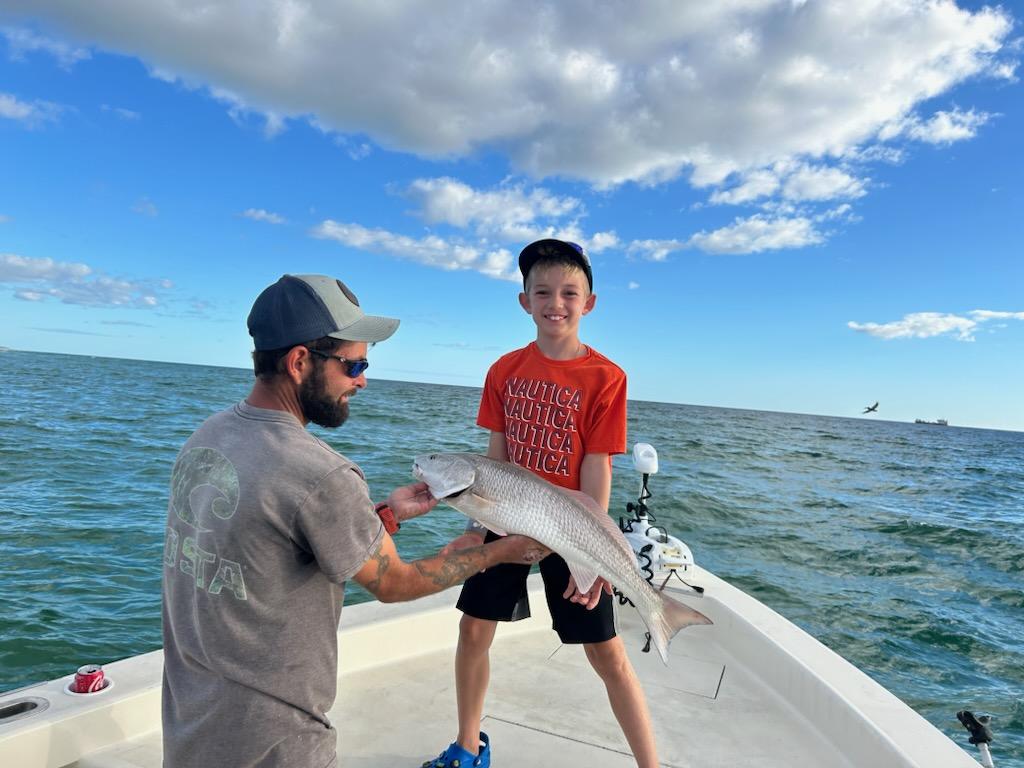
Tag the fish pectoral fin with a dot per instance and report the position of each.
(478, 502)
(583, 576)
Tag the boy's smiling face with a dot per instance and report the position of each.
(557, 297)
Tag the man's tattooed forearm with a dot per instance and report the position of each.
(454, 569)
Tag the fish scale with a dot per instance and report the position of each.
(509, 499)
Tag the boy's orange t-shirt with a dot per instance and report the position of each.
(554, 412)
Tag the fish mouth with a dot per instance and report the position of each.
(441, 494)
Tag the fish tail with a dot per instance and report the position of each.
(672, 617)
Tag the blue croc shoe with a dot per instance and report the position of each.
(456, 757)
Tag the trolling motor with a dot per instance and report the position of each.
(981, 733)
(656, 551)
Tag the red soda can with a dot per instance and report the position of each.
(89, 679)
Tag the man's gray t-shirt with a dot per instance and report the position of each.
(265, 524)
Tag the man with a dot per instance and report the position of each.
(266, 523)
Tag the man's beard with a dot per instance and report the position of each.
(317, 405)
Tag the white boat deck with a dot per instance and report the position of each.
(752, 690)
(544, 701)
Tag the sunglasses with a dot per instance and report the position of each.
(353, 368)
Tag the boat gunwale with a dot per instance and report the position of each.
(818, 686)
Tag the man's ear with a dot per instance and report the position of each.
(296, 364)
(524, 301)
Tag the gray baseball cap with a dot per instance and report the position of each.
(300, 308)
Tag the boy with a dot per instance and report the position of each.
(558, 408)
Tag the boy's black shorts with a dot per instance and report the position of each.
(499, 594)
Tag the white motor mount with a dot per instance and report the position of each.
(655, 549)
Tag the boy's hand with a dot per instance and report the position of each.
(411, 501)
(589, 599)
(462, 542)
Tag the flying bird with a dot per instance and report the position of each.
(871, 408)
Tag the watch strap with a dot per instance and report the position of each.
(387, 517)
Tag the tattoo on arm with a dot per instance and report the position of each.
(383, 563)
(453, 569)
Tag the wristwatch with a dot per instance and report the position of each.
(391, 525)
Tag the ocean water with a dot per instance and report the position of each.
(900, 546)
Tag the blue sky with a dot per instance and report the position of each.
(791, 206)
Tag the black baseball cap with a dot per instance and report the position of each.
(299, 308)
(542, 249)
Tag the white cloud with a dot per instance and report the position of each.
(878, 153)
(22, 41)
(755, 185)
(654, 250)
(4, 219)
(17, 269)
(240, 111)
(772, 103)
(488, 224)
(793, 182)
(39, 279)
(842, 212)
(511, 212)
(432, 250)
(13, 109)
(258, 214)
(758, 233)
(355, 149)
(30, 113)
(633, 285)
(600, 241)
(923, 325)
(920, 325)
(1006, 71)
(125, 114)
(821, 183)
(646, 93)
(145, 207)
(947, 127)
(986, 314)
(514, 215)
